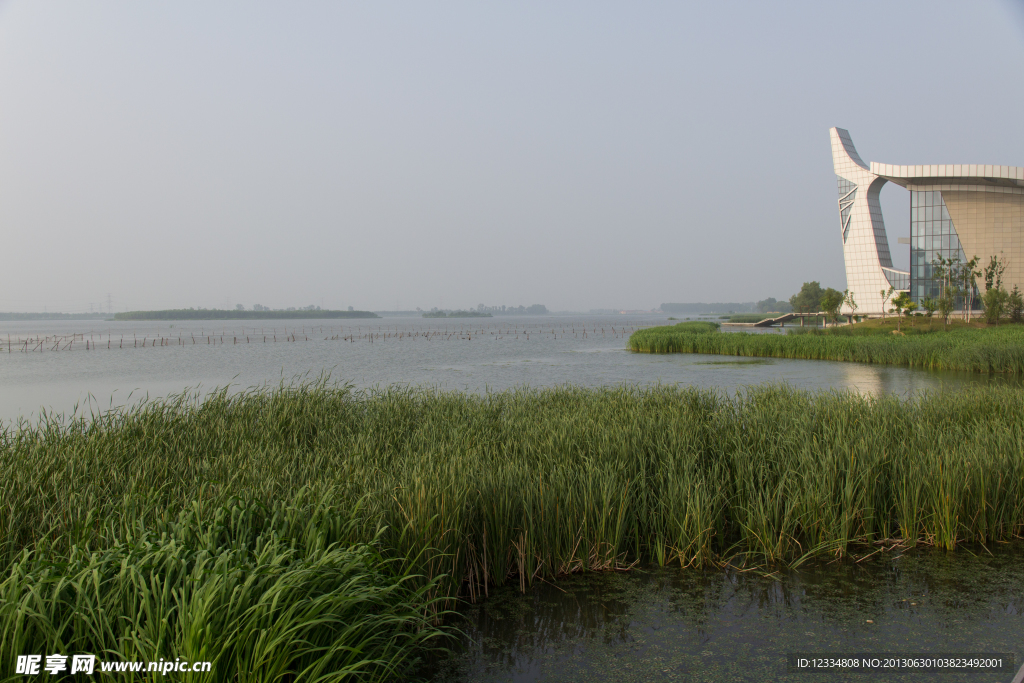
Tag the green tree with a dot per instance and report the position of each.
(902, 304)
(1015, 305)
(946, 308)
(808, 299)
(958, 283)
(929, 305)
(968, 285)
(910, 307)
(995, 297)
(994, 301)
(851, 304)
(831, 302)
(994, 273)
(886, 294)
(771, 305)
(943, 270)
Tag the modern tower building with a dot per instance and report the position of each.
(955, 211)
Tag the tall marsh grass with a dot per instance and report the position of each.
(999, 349)
(323, 531)
(264, 593)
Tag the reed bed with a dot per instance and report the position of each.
(995, 350)
(466, 491)
(264, 593)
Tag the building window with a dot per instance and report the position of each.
(899, 281)
(847, 194)
(932, 234)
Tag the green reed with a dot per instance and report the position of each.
(262, 593)
(351, 520)
(999, 349)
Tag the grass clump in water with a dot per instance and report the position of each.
(273, 530)
(997, 349)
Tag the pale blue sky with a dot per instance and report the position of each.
(581, 155)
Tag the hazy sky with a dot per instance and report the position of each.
(581, 155)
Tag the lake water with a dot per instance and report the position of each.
(656, 624)
(715, 626)
(455, 354)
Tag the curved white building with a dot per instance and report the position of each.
(956, 210)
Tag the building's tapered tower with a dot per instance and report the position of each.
(957, 211)
(865, 245)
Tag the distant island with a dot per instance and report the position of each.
(53, 316)
(457, 314)
(483, 311)
(239, 314)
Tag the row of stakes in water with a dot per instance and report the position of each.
(88, 341)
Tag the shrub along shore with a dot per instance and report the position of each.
(970, 349)
(321, 531)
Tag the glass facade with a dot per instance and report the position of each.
(898, 279)
(847, 193)
(932, 234)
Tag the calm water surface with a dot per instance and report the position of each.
(715, 626)
(458, 354)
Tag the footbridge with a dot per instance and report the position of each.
(781, 320)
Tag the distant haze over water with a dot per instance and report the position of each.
(584, 155)
(478, 355)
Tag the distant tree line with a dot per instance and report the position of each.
(53, 316)
(811, 299)
(770, 305)
(240, 314)
(535, 309)
(746, 307)
(260, 307)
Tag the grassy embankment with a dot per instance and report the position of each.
(964, 348)
(317, 531)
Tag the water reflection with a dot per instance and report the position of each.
(667, 624)
(876, 380)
